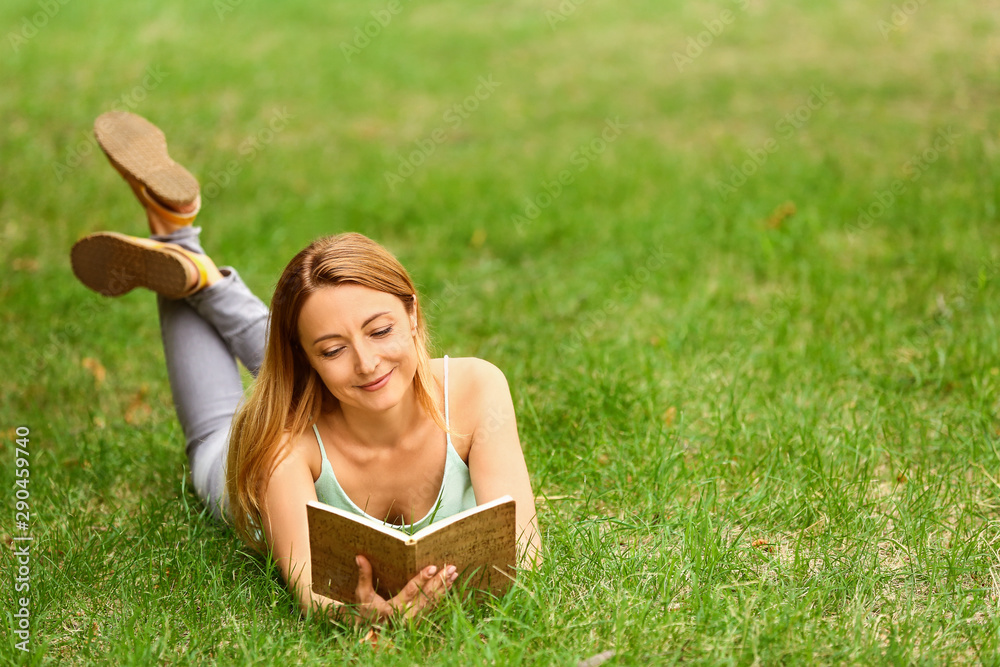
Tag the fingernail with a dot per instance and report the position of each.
(357, 561)
(451, 570)
(432, 570)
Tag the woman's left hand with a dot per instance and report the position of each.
(420, 593)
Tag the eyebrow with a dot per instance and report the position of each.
(366, 323)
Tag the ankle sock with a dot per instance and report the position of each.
(185, 237)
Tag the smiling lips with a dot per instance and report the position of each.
(377, 384)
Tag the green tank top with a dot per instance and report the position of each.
(455, 495)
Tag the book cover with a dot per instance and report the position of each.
(480, 542)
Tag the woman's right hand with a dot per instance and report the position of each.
(422, 592)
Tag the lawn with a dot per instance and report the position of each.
(739, 260)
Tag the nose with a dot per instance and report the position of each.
(366, 360)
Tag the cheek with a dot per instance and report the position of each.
(330, 374)
(400, 345)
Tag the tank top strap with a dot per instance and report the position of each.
(319, 441)
(447, 421)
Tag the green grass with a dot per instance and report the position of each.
(757, 437)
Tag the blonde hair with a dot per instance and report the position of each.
(288, 395)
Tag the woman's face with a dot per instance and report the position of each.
(362, 343)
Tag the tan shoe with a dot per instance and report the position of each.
(138, 150)
(113, 264)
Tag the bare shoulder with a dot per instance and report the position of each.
(479, 390)
(475, 388)
(298, 451)
(471, 378)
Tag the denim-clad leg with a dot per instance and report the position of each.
(203, 336)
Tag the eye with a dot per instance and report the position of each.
(330, 354)
(382, 333)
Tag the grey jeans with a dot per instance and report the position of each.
(203, 337)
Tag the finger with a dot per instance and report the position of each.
(417, 586)
(443, 580)
(364, 590)
(413, 595)
(425, 590)
(371, 603)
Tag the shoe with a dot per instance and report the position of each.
(114, 264)
(138, 150)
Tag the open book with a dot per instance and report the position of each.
(480, 542)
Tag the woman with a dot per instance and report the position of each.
(347, 407)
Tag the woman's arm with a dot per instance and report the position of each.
(496, 462)
(286, 529)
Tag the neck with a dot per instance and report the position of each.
(385, 429)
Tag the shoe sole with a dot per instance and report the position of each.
(138, 149)
(114, 264)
